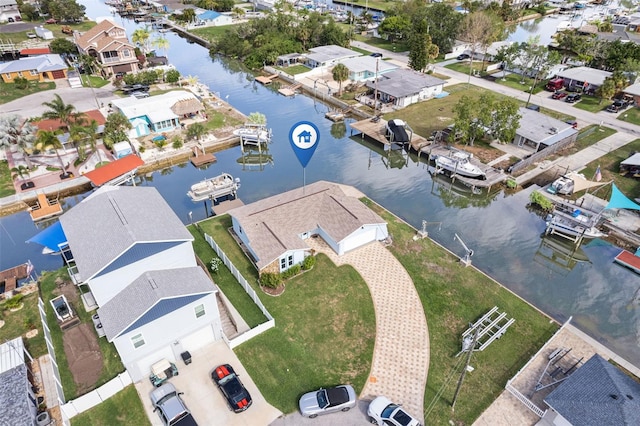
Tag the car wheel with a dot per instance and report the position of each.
(373, 421)
(345, 409)
(313, 416)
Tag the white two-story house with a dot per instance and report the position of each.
(9, 11)
(136, 259)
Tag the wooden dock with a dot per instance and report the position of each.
(44, 208)
(224, 206)
(9, 277)
(266, 79)
(377, 130)
(203, 159)
(290, 90)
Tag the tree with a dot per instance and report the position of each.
(505, 120)
(479, 30)
(195, 131)
(443, 24)
(341, 73)
(20, 172)
(62, 46)
(115, 129)
(88, 63)
(58, 110)
(536, 60)
(14, 131)
(395, 28)
(28, 12)
(64, 10)
(140, 37)
(46, 139)
(188, 15)
(606, 90)
(257, 118)
(161, 43)
(421, 49)
(172, 76)
(508, 56)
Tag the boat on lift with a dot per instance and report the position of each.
(223, 185)
(459, 163)
(573, 224)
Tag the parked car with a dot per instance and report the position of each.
(573, 98)
(573, 123)
(383, 412)
(51, 21)
(140, 94)
(27, 185)
(31, 35)
(376, 55)
(232, 389)
(616, 106)
(325, 401)
(462, 57)
(172, 410)
(135, 88)
(559, 94)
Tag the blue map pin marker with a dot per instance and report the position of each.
(304, 137)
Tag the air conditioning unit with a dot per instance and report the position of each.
(553, 130)
(43, 419)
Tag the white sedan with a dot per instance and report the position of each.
(383, 412)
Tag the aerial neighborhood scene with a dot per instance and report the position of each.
(319, 212)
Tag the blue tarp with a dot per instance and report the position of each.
(51, 237)
(619, 201)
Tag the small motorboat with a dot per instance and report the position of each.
(459, 163)
(397, 131)
(563, 185)
(213, 188)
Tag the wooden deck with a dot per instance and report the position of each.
(266, 79)
(224, 206)
(377, 131)
(203, 159)
(44, 208)
(289, 90)
(9, 277)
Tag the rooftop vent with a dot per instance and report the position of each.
(553, 130)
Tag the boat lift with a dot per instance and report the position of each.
(560, 366)
(422, 233)
(490, 327)
(467, 258)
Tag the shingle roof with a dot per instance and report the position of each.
(148, 290)
(582, 74)
(273, 224)
(538, 127)
(402, 82)
(40, 63)
(597, 394)
(15, 408)
(112, 219)
(94, 34)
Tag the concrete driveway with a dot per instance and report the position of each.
(202, 396)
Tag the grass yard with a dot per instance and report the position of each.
(463, 67)
(93, 81)
(17, 323)
(9, 92)
(211, 34)
(382, 43)
(591, 104)
(631, 115)
(588, 136)
(515, 81)
(6, 181)
(110, 359)
(124, 408)
(453, 296)
(610, 168)
(294, 69)
(325, 325)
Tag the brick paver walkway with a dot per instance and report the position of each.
(401, 354)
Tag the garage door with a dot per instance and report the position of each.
(198, 339)
(356, 241)
(57, 74)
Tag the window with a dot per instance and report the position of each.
(286, 262)
(126, 53)
(19, 73)
(283, 264)
(7, 76)
(199, 311)
(290, 260)
(137, 340)
(33, 72)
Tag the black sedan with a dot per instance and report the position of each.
(573, 98)
(462, 57)
(232, 388)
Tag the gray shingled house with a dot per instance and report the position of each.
(18, 404)
(274, 229)
(538, 131)
(136, 259)
(401, 88)
(597, 394)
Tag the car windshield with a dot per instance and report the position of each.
(322, 398)
(388, 411)
(227, 379)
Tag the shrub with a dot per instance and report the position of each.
(291, 272)
(214, 265)
(14, 302)
(21, 83)
(142, 149)
(270, 280)
(308, 263)
(541, 200)
(511, 183)
(177, 142)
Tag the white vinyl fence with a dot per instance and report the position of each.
(96, 396)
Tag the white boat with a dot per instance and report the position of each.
(459, 163)
(254, 134)
(573, 225)
(214, 188)
(563, 185)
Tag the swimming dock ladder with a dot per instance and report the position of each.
(490, 327)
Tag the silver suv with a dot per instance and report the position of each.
(167, 403)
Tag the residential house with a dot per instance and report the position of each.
(363, 68)
(583, 77)
(274, 229)
(401, 88)
(157, 114)
(598, 393)
(38, 68)
(36, 51)
(211, 18)
(633, 90)
(328, 56)
(538, 131)
(18, 403)
(107, 42)
(137, 262)
(9, 11)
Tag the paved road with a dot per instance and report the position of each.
(17, 27)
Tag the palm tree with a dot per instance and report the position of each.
(13, 131)
(161, 43)
(78, 136)
(91, 137)
(140, 38)
(115, 129)
(49, 140)
(20, 171)
(60, 111)
(340, 73)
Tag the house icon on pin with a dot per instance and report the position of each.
(304, 137)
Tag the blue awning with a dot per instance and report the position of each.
(51, 237)
(619, 201)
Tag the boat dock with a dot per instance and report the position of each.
(266, 79)
(44, 208)
(377, 130)
(203, 158)
(9, 277)
(224, 206)
(629, 260)
(290, 90)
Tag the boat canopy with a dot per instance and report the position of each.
(581, 183)
(619, 201)
(51, 237)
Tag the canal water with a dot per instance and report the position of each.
(503, 233)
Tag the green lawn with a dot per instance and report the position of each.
(610, 168)
(93, 81)
(590, 135)
(294, 69)
(6, 181)
(325, 326)
(631, 115)
(211, 34)
(9, 92)
(463, 67)
(111, 365)
(382, 43)
(19, 322)
(591, 104)
(124, 408)
(516, 81)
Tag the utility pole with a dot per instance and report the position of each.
(464, 371)
(375, 93)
